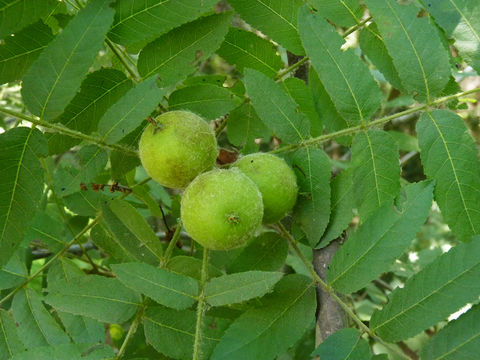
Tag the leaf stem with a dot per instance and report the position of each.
(354, 129)
(67, 131)
(172, 244)
(318, 280)
(200, 307)
(131, 331)
(118, 53)
(52, 259)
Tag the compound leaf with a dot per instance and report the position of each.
(418, 54)
(312, 209)
(345, 344)
(22, 185)
(10, 343)
(277, 110)
(457, 341)
(129, 111)
(441, 288)
(260, 333)
(98, 297)
(139, 21)
(131, 232)
(381, 239)
(275, 18)
(450, 157)
(346, 78)
(239, 287)
(63, 64)
(245, 49)
(376, 170)
(176, 54)
(166, 288)
(461, 20)
(18, 52)
(35, 325)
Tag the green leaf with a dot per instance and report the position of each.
(244, 126)
(176, 54)
(277, 110)
(13, 273)
(276, 19)
(16, 14)
(312, 209)
(47, 230)
(441, 288)
(419, 57)
(345, 344)
(405, 142)
(35, 325)
(91, 161)
(342, 13)
(18, 52)
(82, 329)
(374, 47)
(209, 101)
(165, 287)
(262, 332)
(329, 116)
(459, 340)
(346, 78)
(139, 21)
(66, 60)
(98, 297)
(245, 49)
(300, 92)
(172, 332)
(266, 252)
(21, 187)
(68, 351)
(63, 269)
(99, 91)
(342, 206)
(376, 170)
(381, 239)
(129, 111)
(102, 238)
(131, 232)
(192, 267)
(239, 287)
(450, 157)
(10, 343)
(461, 20)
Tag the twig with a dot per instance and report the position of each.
(67, 131)
(299, 63)
(200, 306)
(284, 233)
(50, 262)
(354, 129)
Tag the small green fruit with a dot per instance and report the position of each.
(275, 180)
(222, 209)
(177, 147)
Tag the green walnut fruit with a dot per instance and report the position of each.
(221, 209)
(275, 180)
(177, 147)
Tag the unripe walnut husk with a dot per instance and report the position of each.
(177, 147)
(222, 209)
(275, 180)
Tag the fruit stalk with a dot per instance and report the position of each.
(200, 306)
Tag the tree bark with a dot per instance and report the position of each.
(330, 316)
